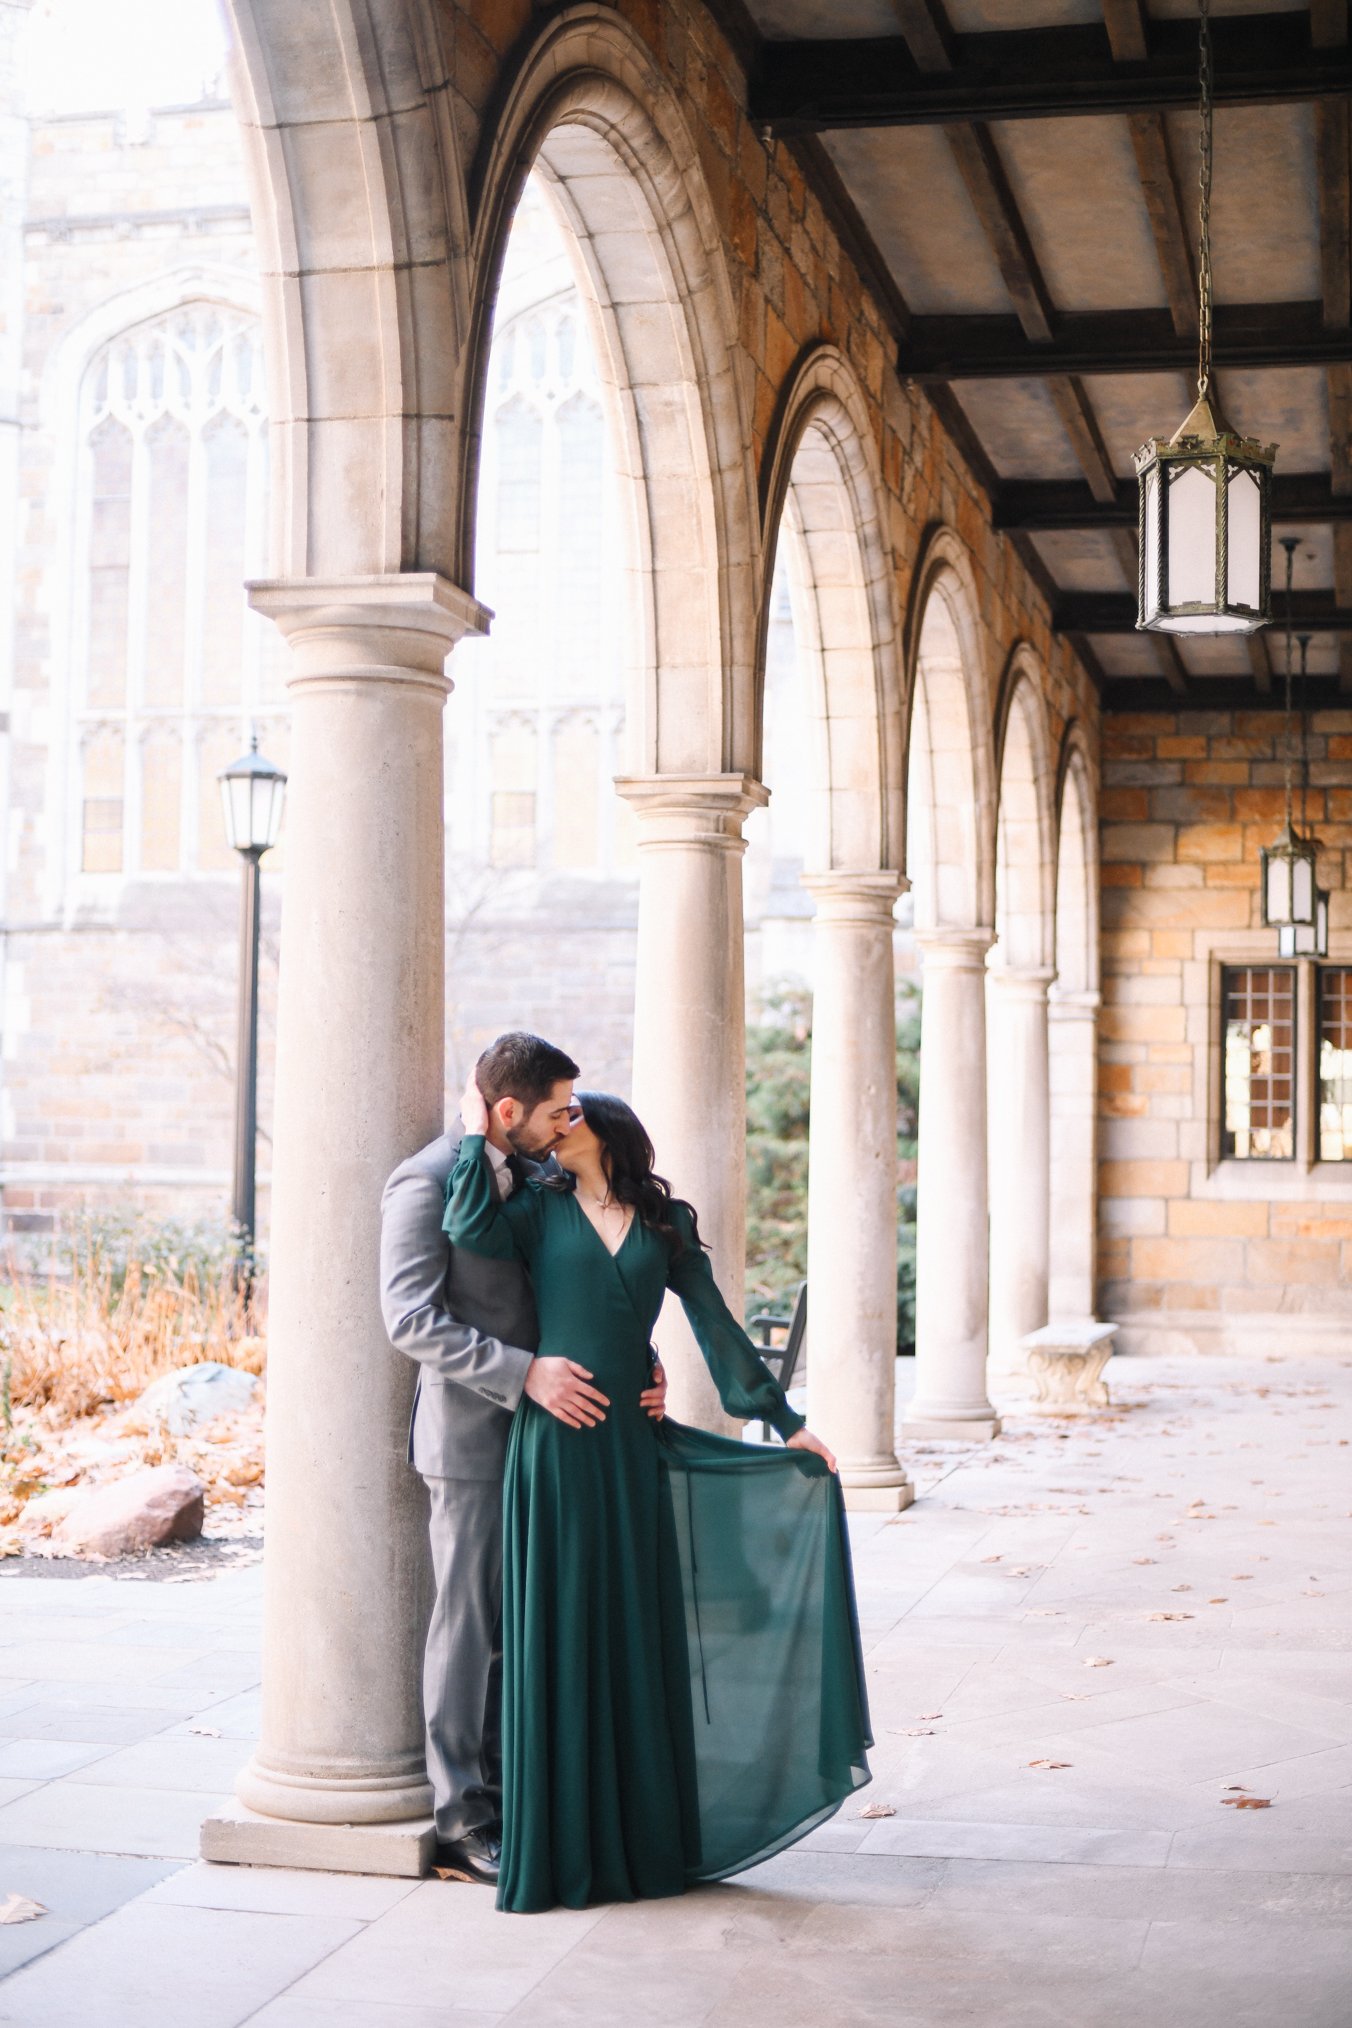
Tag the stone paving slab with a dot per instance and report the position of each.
(1117, 1888)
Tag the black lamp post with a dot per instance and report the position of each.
(252, 792)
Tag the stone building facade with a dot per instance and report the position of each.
(1225, 1195)
(135, 248)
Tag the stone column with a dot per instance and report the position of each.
(690, 1032)
(852, 1199)
(951, 1218)
(1019, 1156)
(338, 1778)
(1073, 1055)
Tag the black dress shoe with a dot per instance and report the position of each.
(474, 1858)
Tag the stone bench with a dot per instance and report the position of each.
(1067, 1362)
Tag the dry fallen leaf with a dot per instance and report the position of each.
(18, 1908)
(1098, 1662)
(1143, 1559)
(1218, 1601)
(1240, 1576)
(1180, 1587)
(992, 1559)
(206, 1731)
(876, 1810)
(916, 1731)
(1248, 1802)
(924, 1715)
(1168, 1616)
(1049, 1763)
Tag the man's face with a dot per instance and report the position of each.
(538, 1133)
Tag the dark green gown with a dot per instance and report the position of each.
(682, 1686)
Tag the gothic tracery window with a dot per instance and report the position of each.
(169, 668)
(545, 691)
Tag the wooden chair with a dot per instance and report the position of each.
(782, 1360)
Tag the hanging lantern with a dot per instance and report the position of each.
(1307, 940)
(1290, 878)
(1205, 493)
(1290, 883)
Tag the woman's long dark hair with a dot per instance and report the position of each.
(627, 1155)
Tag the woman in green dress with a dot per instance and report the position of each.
(682, 1686)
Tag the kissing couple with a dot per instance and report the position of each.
(643, 1667)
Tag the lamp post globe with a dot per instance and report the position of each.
(252, 794)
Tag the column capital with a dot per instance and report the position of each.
(864, 899)
(702, 810)
(1022, 982)
(956, 949)
(397, 627)
(1074, 1006)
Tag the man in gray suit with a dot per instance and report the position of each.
(470, 1323)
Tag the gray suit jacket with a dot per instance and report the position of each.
(470, 1324)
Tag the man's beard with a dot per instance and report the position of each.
(523, 1143)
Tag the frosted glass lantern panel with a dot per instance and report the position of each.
(1279, 890)
(1302, 891)
(1151, 601)
(1192, 538)
(1244, 541)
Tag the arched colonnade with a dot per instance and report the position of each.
(382, 244)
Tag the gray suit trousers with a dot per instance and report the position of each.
(462, 1666)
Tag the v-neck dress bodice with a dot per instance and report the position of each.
(682, 1685)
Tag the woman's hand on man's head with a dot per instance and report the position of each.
(473, 1108)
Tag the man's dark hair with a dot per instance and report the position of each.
(523, 1067)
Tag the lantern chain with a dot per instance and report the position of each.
(1204, 203)
(1290, 543)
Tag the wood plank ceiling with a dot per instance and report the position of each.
(1022, 174)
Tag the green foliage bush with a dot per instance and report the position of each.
(778, 1079)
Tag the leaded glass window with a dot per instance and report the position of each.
(537, 738)
(1335, 1063)
(169, 667)
(1259, 1058)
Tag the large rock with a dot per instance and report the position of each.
(195, 1394)
(164, 1503)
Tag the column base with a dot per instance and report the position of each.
(236, 1836)
(877, 1499)
(951, 1430)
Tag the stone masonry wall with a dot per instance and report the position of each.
(1196, 1248)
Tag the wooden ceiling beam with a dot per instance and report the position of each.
(1164, 207)
(928, 36)
(1043, 506)
(1128, 31)
(1246, 335)
(1260, 661)
(1037, 73)
(1314, 612)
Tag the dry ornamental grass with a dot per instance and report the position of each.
(84, 1335)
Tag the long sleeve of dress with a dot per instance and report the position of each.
(746, 1386)
(475, 1216)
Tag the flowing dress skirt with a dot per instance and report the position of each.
(683, 1688)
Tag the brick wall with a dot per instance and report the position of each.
(1194, 1246)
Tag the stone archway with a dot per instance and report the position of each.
(1019, 975)
(951, 864)
(359, 217)
(588, 111)
(1073, 1011)
(822, 499)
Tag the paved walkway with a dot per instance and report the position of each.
(1025, 1612)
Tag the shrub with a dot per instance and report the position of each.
(779, 1072)
(118, 1301)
